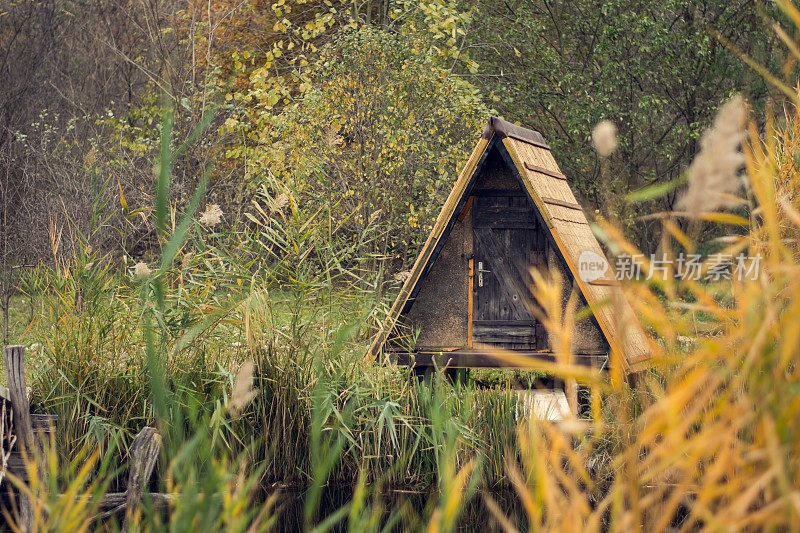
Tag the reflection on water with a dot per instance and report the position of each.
(407, 510)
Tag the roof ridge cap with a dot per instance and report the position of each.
(503, 128)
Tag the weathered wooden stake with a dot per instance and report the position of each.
(144, 453)
(23, 428)
(571, 390)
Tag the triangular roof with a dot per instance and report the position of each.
(568, 229)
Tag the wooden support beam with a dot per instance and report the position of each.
(467, 209)
(14, 357)
(476, 358)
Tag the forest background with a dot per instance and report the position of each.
(367, 108)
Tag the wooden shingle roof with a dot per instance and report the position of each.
(568, 228)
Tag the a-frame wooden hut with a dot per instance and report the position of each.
(510, 209)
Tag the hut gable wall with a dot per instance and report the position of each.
(587, 338)
(496, 174)
(438, 314)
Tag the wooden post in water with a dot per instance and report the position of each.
(23, 427)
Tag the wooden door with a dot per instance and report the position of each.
(506, 242)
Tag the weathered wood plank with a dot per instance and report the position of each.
(469, 253)
(14, 357)
(530, 322)
(502, 217)
(504, 296)
(7, 440)
(510, 332)
(500, 192)
(114, 503)
(43, 427)
(604, 282)
(509, 281)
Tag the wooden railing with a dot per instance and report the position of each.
(24, 437)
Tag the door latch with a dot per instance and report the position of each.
(481, 270)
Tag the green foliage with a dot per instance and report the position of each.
(375, 139)
(653, 68)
